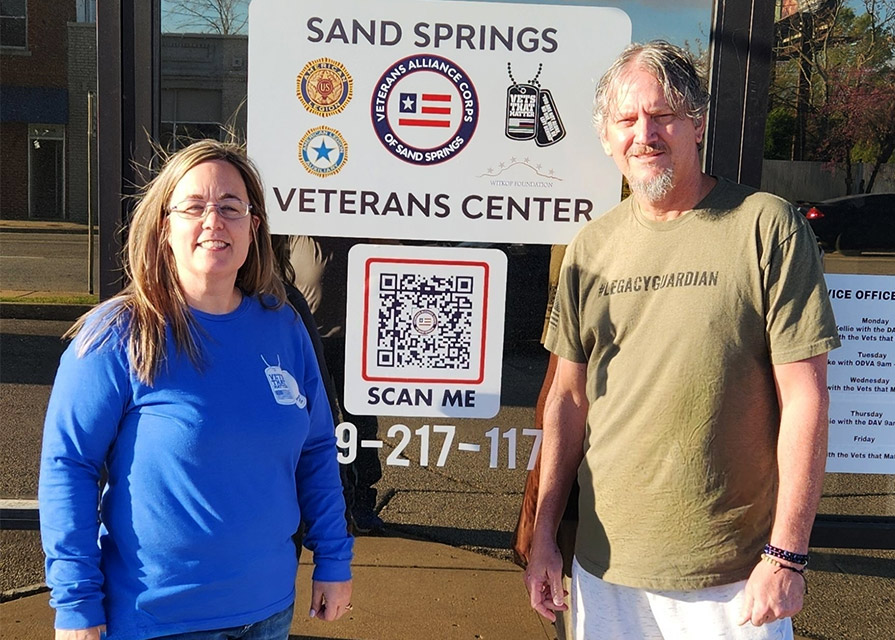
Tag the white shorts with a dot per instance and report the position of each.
(601, 610)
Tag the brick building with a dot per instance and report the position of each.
(47, 75)
(34, 108)
(81, 89)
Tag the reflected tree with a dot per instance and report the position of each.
(225, 17)
(833, 92)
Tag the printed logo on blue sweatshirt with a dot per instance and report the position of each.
(283, 385)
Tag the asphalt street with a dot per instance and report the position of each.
(45, 261)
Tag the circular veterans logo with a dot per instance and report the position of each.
(425, 321)
(324, 87)
(323, 151)
(424, 109)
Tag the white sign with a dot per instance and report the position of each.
(430, 119)
(861, 375)
(428, 339)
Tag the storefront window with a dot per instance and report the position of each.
(829, 135)
(829, 143)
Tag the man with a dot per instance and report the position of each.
(320, 265)
(691, 326)
(565, 534)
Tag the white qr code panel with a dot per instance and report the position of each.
(424, 333)
(429, 319)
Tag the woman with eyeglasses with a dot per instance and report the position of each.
(196, 396)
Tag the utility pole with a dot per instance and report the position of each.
(91, 130)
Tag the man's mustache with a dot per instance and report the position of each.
(643, 149)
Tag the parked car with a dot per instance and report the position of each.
(863, 223)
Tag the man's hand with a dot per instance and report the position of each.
(92, 633)
(543, 579)
(330, 600)
(772, 593)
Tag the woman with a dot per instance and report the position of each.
(197, 392)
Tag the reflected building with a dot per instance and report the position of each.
(48, 64)
(35, 107)
(203, 87)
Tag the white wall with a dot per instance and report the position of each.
(799, 181)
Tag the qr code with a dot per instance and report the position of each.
(425, 321)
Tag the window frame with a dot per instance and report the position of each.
(128, 38)
(24, 25)
(54, 133)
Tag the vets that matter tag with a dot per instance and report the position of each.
(522, 111)
(550, 129)
(283, 386)
(531, 112)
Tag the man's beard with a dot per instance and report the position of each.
(655, 188)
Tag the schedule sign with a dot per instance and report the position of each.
(861, 375)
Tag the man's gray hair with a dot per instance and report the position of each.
(672, 66)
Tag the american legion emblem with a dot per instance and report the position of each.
(324, 87)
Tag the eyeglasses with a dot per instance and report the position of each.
(228, 208)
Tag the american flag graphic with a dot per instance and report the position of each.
(426, 109)
(521, 126)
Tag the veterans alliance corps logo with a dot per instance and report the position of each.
(324, 87)
(424, 109)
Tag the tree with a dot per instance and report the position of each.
(226, 17)
(833, 93)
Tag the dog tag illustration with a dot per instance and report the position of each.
(522, 107)
(550, 129)
(283, 386)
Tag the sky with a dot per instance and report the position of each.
(678, 21)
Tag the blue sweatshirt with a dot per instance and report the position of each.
(209, 473)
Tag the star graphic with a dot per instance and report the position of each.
(323, 151)
(408, 102)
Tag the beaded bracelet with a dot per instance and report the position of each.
(789, 556)
(780, 566)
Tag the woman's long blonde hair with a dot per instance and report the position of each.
(154, 298)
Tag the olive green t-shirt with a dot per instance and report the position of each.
(679, 323)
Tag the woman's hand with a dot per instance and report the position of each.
(93, 633)
(330, 600)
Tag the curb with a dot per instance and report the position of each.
(42, 311)
(23, 592)
(46, 228)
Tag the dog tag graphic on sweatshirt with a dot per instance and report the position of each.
(283, 386)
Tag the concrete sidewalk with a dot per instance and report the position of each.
(403, 590)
